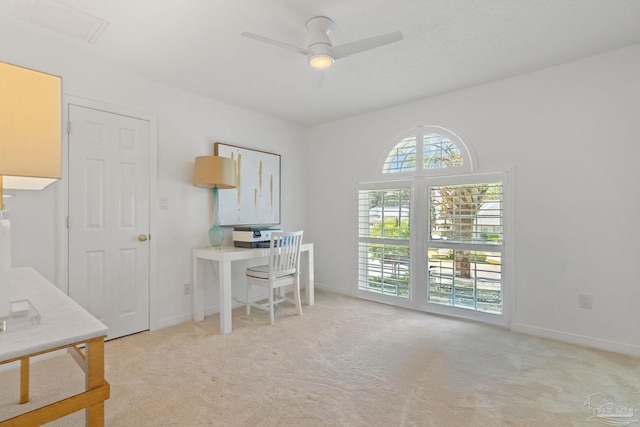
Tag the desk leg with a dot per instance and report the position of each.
(309, 290)
(198, 293)
(24, 380)
(95, 379)
(225, 296)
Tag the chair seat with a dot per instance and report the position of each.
(262, 272)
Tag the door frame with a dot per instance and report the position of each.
(62, 197)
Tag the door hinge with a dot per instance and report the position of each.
(68, 128)
(68, 222)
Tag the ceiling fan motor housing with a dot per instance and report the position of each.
(320, 44)
(319, 27)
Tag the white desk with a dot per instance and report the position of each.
(224, 257)
(63, 324)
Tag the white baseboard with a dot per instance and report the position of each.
(334, 289)
(600, 344)
(172, 321)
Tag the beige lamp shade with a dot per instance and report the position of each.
(30, 127)
(214, 171)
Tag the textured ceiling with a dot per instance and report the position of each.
(196, 45)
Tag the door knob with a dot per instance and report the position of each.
(142, 237)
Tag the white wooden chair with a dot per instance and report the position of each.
(283, 270)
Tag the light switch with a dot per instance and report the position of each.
(164, 203)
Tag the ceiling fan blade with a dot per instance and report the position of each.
(366, 44)
(277, 43)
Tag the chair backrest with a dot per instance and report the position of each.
(284, 253)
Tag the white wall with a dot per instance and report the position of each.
(188, 125)
(570, 132)
(572, 135)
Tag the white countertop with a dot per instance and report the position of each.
(62, 321)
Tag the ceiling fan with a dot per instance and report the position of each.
(321, 53)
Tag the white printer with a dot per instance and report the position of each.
(253, 236)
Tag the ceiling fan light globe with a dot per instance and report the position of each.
(320, 61)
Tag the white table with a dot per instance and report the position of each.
(63, 324)
(224, 257)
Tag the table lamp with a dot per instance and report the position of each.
(216, 173)
(30, 143)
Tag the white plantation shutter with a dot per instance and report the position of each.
(464, 246)
(467, 213)
(383, 248)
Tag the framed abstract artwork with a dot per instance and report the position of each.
(256, 199)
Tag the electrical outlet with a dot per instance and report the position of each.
(585, 301)
(187, 288)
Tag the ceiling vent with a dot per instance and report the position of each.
(61, 18)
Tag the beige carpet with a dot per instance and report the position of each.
(345, 362)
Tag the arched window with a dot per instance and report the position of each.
(440, 151)
(431, 230)
(402, 157)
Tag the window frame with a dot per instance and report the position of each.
(466, 151)
(506, 248)
(419, 181)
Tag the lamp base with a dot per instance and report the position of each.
(216, 236)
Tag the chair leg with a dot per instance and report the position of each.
(296, 295)
(271, 308)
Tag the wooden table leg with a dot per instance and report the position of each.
(24, 380)
(95, 379)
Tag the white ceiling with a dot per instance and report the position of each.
(448, 44)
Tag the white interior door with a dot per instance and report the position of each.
(109, 218)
